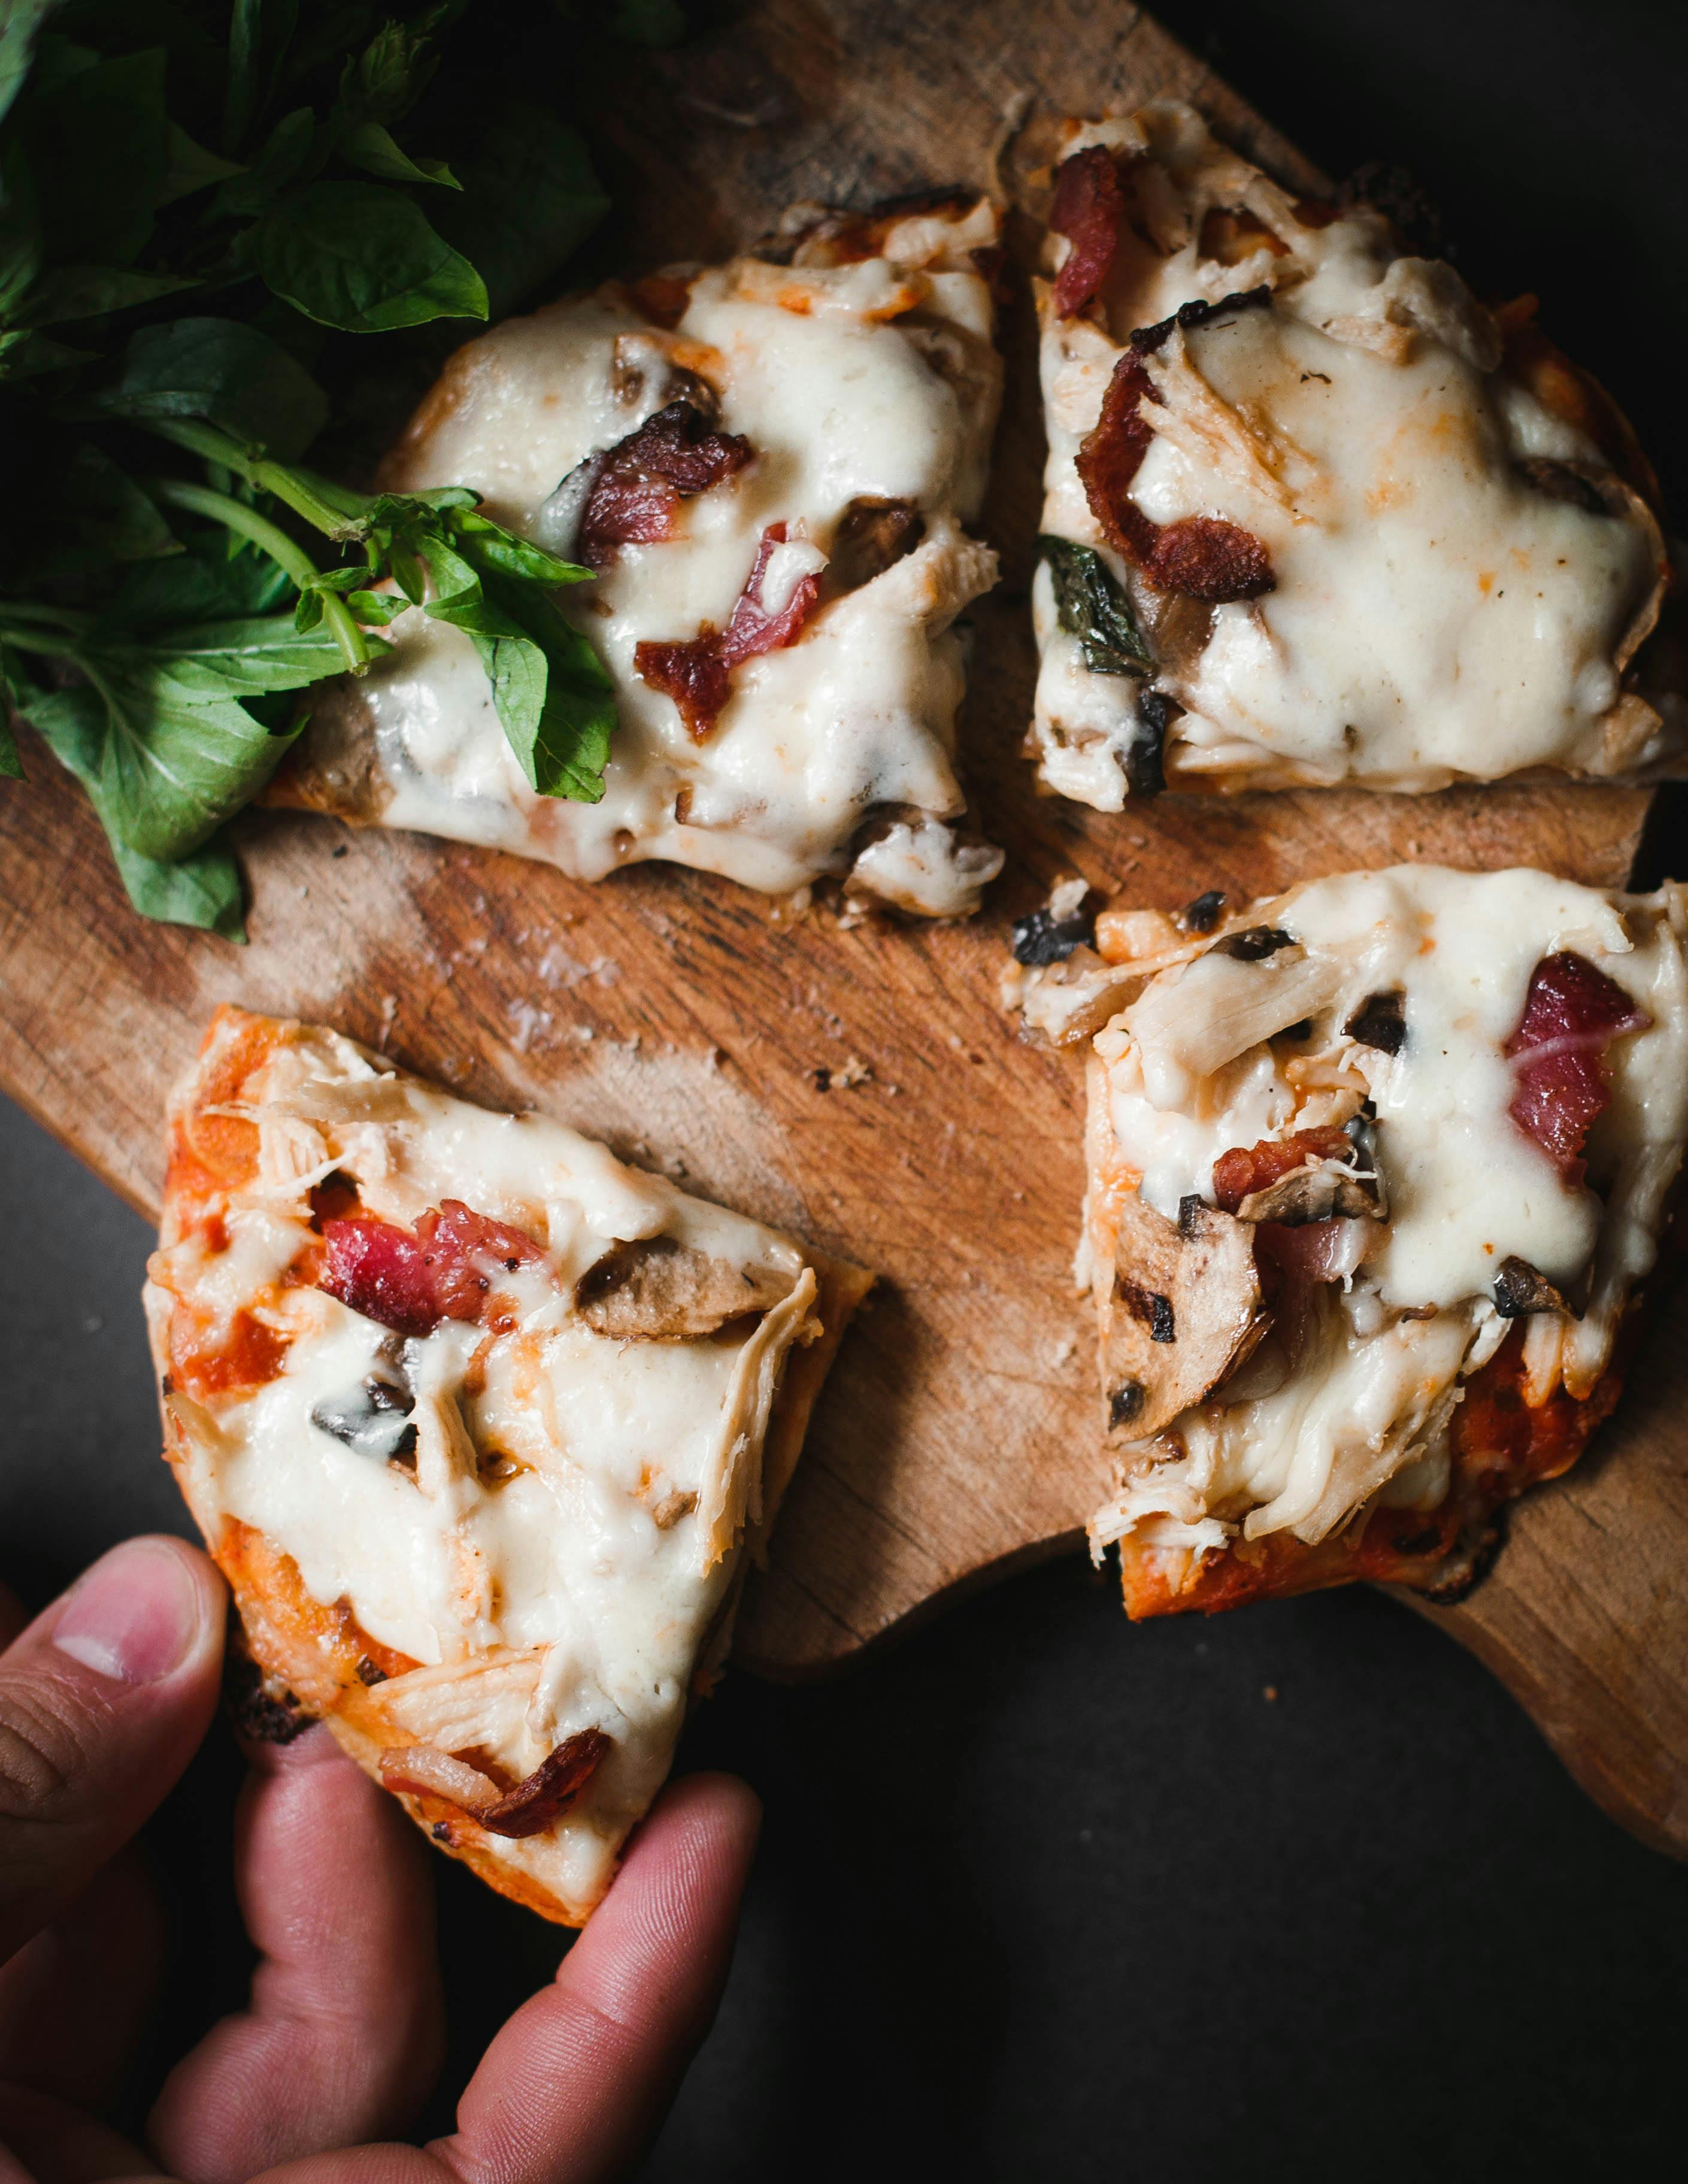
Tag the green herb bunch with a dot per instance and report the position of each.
(204, 210)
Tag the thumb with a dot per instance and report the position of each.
(103, 1700)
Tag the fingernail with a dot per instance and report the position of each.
(135, 1617)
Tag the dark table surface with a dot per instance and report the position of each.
(1042, 1894)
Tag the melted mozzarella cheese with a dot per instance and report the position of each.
(871, 380)
(1189, 1070)
(599, 1565)
(1436, 616)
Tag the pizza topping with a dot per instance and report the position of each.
(1089, 208)
(1380, 1021)
(1521, 1289)
(634, 492)
(780, 594)
(1202, 915)
(1051, 933)
(873, 534)
(1184, 1309)
(1200, 557)
(531, 1806)
(374, 1419)
(1092, 606)
(1571, 1013)
(659, 1289)
(410, 1282)
(1250, 1172)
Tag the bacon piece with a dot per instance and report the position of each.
(641, 481)
(1200, 557)
(543, 1797)
(696, 672)
(411, 1282)
(1238, 1174)
(1089, 210)
(1571, 1013)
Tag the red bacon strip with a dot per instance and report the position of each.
(1246, 1169)
(1201, 557)
(696, 672)
(1089, 210)
(1571, 1013)
(641, 481)
(411, 1281)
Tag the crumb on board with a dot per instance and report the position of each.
(844, 1079)
(1270, 1694)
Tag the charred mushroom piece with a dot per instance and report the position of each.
(873, 535)
(1521, 1289)
(1380, 1021)
(1202, 915)
(1322, 1191)
(374, 1419)
(1256, 943)
(1041, 938)
(1184, 1310)
(659, 1289)
(1145, 771)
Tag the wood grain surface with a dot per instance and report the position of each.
(693, 1027)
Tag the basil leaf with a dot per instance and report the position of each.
(364, 259)
(19, 229)
(88, 292)
(282, 161)
(494, 550)
(1092, 606)
(21, 22)
(369, 146)
(239, 659)
(204, 583)
(191, 167)
(563, 750)
(99, 147)
(529, 199)
(260, 33)
(27, 356)
(203, 890)
(163, 775)
(106, 514)
(230, 375)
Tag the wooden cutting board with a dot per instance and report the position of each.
(685, 1022)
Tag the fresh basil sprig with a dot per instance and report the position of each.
(187, 230)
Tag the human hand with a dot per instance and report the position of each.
(103, 1700)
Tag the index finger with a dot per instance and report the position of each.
(576, 2084)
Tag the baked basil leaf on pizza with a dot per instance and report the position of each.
(1374, 1171)
(767, 469)
(479, 1423)
(1313, 513)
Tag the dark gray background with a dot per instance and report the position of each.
(1042, 1894)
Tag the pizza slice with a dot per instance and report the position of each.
(770, 465)
(1374, 1170)
(478, 1424)
(1315, 515)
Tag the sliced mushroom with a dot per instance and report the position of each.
(1521, 1289)
(659, 1289)
(1324, 1190)
(872, 534)
(1184, 1310)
